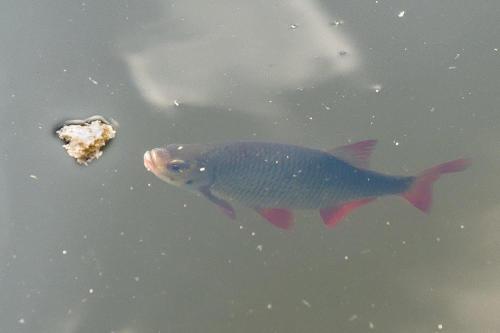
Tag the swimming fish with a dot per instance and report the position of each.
(275, 178)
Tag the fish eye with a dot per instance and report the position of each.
(177, 166)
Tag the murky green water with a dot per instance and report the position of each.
(110, 248)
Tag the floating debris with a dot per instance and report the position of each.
(93, 81)
(377, 88)
(85, 138)
(306, 303)
(401, 14)
(353, 317)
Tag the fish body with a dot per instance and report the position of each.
(276, 178)
(287, 176)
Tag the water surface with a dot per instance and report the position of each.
(110, 248)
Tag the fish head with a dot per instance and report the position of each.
(179, 165)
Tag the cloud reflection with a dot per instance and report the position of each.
(238, 54)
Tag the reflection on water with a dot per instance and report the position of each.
(110, 248)
(239, 54)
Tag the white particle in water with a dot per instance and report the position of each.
(260, 247)
(64, 252)
(353, 317)
(377, 88)
(131, 188)
(91, 291)
(403, 242)
(432, 109)
(202, 169)
(149, 184)
(371, 325)
(396, 142)
(346, 258)
(401, 14)
(137, 279)
(269, 306)
(21, 321)
(440, 326)
(176, 103)
(253, 233)
(306, 303)
(462, 226)
(180, 147)
(452, 67)
(34, 177)
(457, 56)
(93, 81)
(388, 223)
(438, 239)
(293, 26)
(327, 108)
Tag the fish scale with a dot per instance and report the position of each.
(261, 175)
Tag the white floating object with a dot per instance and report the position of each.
(86, 138)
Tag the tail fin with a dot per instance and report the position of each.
(420, 192)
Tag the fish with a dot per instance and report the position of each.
(276, 178)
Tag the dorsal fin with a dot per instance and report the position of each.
(357, 154)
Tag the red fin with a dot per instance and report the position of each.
(333, 215)
(420, 192)
(282, 218)
(357, 154)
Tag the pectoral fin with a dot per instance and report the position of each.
(223, 205)
(281, 218)
(333, 215)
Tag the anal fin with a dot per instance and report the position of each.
(333, 215)
(281, 218)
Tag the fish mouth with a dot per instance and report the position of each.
(148, 161)
(155, 159)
